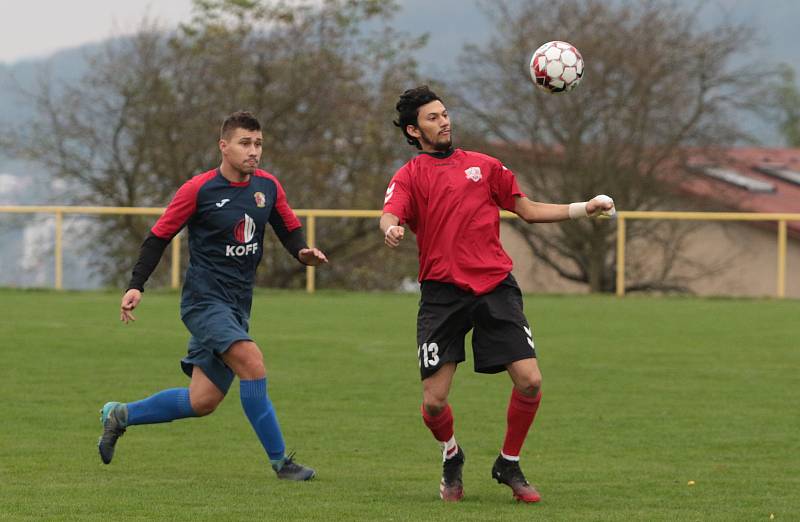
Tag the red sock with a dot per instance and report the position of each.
(521, 411)
(441, 425)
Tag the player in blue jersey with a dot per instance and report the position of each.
(226, 211)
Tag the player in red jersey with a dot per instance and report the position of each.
(449, 198)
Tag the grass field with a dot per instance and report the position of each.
(641, 396)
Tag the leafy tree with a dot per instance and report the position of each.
(321, 76)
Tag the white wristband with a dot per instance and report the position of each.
(578, 210)
(390, 228)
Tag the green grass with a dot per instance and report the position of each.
(640, 397)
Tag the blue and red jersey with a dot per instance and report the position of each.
(450, 201)
(226, 223)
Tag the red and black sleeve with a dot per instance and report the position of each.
(178, 213)
(149, 255)
(286, 225)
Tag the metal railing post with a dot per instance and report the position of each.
(781, 282)
(176, 262)
(311, 236)
(59, 250)
(620, 256)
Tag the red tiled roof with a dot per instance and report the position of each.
(785, 198)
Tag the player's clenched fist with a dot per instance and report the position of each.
(600, 205)
(393, 235)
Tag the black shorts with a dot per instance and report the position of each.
(500, 332)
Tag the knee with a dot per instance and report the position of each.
(253, 368)
(433, 404)
(204, 404)
(246, 360)
(530, 384)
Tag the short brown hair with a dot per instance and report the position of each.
(238, 120)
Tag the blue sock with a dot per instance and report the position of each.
(261, 414)
(164, 406)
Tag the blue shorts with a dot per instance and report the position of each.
(214, 326)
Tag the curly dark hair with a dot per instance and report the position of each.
(408, 109)
(238, 120)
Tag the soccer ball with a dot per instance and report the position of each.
(556, 67)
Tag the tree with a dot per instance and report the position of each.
(321, 76)
(787, 98)
(655, 85)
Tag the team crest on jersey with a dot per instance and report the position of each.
(474, 174)
(261, 201)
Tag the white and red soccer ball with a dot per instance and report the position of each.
(556, 67)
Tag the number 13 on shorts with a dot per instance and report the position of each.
(428, 355)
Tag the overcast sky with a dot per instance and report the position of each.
(36, 28)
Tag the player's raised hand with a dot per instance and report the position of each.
(129, 301)
(311, 256)
(601, 205)
(393, 236)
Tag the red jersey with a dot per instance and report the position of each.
(450, 201)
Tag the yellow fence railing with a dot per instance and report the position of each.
(59, 212)
(311, 216)
(175, 278)
(623, 216)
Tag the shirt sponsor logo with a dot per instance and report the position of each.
(245, 229)
(474, 174)
(261, 201)
(243, 232)
(241, 250)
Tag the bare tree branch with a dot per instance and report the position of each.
(655, 84)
